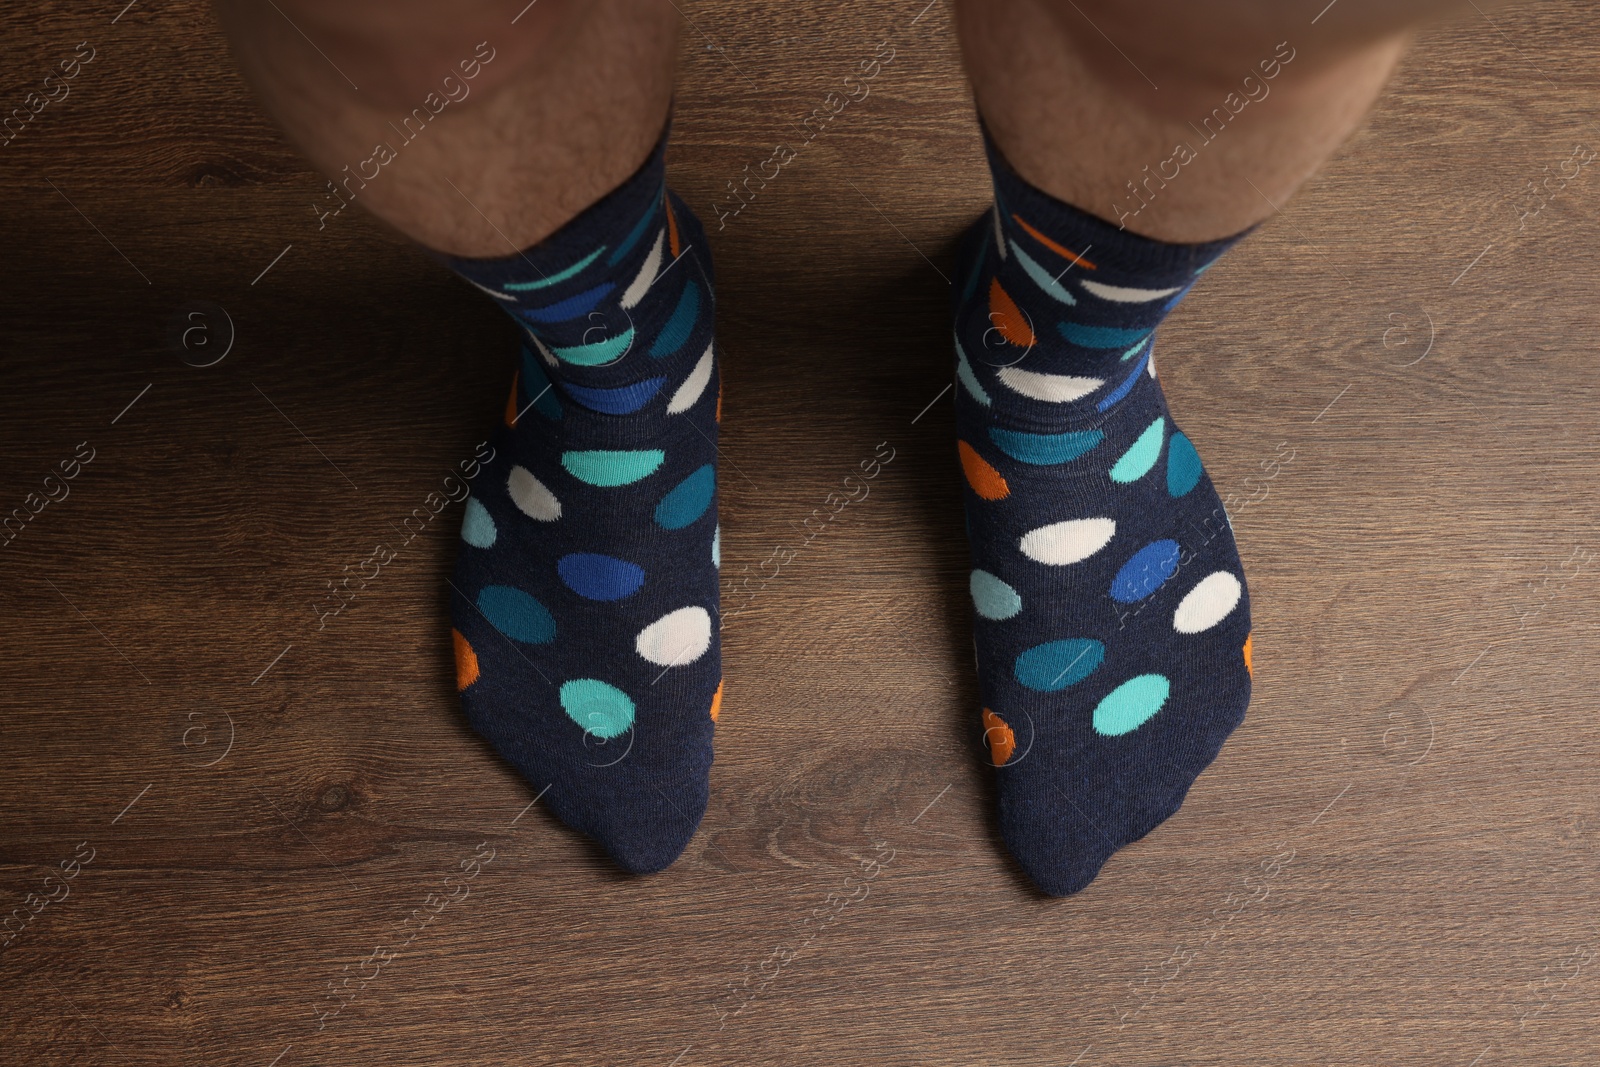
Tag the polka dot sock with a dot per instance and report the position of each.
(1113, 627)
(585, 590)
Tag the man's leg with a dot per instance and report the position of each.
(529, 159)
(1260, 96)
(571, 102)
(1113, 627)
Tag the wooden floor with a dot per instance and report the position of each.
(227, 806)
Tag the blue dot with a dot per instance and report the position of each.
(516, 614)
(623, 401)
(573, 307)
(1146, 571)
(598, 577)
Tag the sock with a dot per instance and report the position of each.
(584, 597)
(1113, 625)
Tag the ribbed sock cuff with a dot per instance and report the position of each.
(1117, 251)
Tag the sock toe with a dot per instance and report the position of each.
(649, 834)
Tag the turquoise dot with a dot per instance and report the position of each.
(1136, 462)
(553, 279)
(516, 614)
(1183, 465)
(600, 352)
(1055, 665)
(1041, 277)
(993, 598)
(477, 527)
(969, 379)
(688, 500)
(612, 468)
(1146, 571)
(1131, 704)
(600, 709)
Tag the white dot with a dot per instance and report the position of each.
(1207, 603)
(1067, 542)
(1051, 388)
(677, 638)
(692, 386)
(531, 497)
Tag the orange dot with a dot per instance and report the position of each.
(511, 403)
(719, 401)
(1002, 742)
(672, 226)
(716, 701)
(466, 661)
(1247, 639)
(1008, 318)
(984, 479)
(1065, 253)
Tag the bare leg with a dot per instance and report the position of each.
(1258, 94)
(569, 103)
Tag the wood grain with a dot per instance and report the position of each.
(1419, 531)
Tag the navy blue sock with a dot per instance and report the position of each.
(585, 591)
(1113, 625)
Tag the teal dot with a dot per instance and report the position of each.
(537, 388)
(612, 468)
(516, 614)
(600, 709)
(688, 499)
(1131, 704)
(1055, 665)
(993, 598)
(1042, 449)
(1099, 336)
(477, 527)
(1183, 465)
(680, 325)
(1136, 462)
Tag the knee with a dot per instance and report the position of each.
(1175, 56)
(402, 53)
